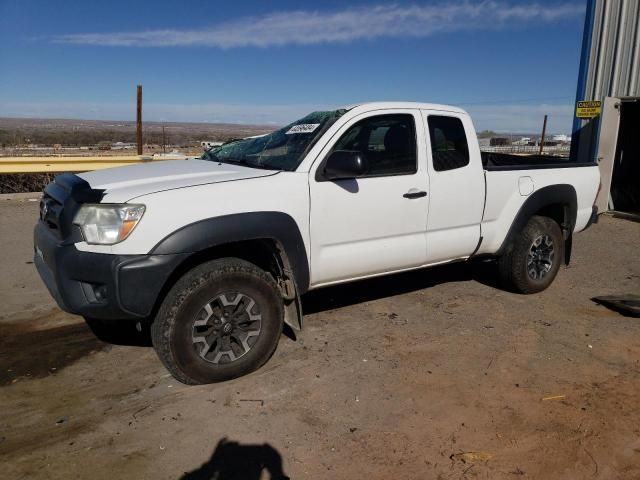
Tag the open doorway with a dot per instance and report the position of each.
(625, 178)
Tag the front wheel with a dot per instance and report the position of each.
(221, 320)
(533, 259)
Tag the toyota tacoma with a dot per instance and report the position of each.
(214, 253)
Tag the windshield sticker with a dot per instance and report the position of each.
(303, 128)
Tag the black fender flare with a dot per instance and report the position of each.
(226, 229)
(561, 194)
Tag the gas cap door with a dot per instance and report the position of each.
(525, 185)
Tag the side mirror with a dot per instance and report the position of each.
(344, 164)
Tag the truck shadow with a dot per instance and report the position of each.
(122, 332)
(347, 294)
(30, 350)
(234, 461)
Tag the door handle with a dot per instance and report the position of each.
(415, 193)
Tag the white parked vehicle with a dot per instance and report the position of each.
(207, 145)
(216, 252)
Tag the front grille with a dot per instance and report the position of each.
(50, 211)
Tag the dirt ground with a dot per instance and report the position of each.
(433, 374)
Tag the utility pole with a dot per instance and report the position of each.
(544, 130)
(139, 120)
(164, 141)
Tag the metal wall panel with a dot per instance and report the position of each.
(634, 80)
(613, 68)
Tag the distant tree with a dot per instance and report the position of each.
(487, 134)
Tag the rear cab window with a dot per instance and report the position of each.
(449, 147)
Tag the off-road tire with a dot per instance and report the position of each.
(513, 265)
(171, 331)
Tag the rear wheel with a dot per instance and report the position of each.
(221, 320)
(533, 259)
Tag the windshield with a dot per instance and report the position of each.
(283, 149)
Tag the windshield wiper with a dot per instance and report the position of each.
(231, 161)
(243, 163)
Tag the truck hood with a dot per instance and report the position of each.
(122, 184)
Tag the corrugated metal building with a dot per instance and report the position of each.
(613, 49)
(610, 73)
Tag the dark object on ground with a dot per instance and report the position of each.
(232, 460)
(627, 305)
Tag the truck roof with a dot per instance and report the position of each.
(421, 105)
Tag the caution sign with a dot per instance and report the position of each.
(588, 109)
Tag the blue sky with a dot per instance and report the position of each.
(507, 62)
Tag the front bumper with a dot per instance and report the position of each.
(100, 285)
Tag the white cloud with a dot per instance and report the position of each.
(313, 27)
(517, 118)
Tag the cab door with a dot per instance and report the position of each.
(457, 186)
(375, 223)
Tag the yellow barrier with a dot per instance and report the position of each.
(70, 164)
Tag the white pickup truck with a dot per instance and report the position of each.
(214, 253)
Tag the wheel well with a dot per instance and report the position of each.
(557, 202)
(557, 212)
(266, 254)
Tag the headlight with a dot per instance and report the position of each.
(106, 224)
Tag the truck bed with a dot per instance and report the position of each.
(510, 184)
